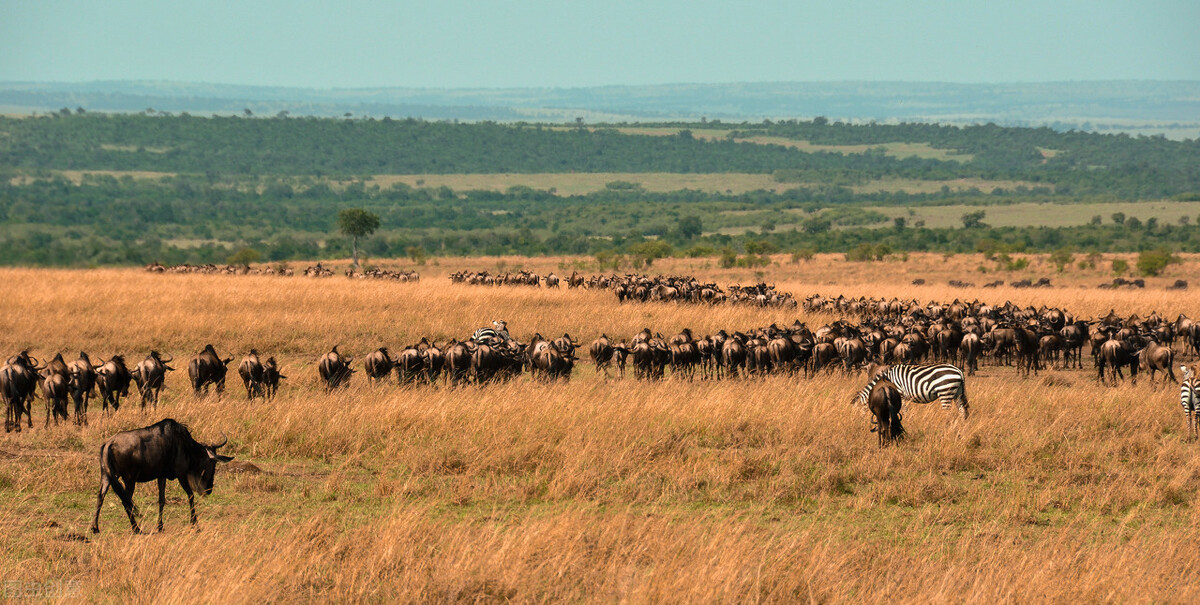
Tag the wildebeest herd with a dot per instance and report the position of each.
(317, 270)
(911, 351)
(641, 288)
(23, 375)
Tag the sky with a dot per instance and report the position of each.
(579, 43)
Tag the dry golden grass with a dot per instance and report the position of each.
(756, 490)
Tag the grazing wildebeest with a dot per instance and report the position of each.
(150, 375)
(18, 382)
(162, 451)
(334, 369)
(271, 377)
(378, 365)
(83, 382)
(206, 369)
(251, 372)
(884, 404)
(112, 380)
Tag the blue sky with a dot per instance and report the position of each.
(564, 43)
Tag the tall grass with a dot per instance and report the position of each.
(743, 490)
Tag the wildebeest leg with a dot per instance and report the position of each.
(104, 485)
(162, 499)
(191, 499)
(125, 493)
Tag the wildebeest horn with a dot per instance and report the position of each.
(224, 440)
(167, 360)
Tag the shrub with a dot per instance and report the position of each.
(1152, 262)
(1120, 266)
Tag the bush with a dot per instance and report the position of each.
(1120, 266)
(245, 256)
(700, 251)
(649, 251)
(728, 257)
(1152, 262)
(868, 252)
(1061, 258)
(805, 254)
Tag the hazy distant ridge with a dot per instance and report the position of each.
(1056, 103)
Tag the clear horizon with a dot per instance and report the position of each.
(494, 45)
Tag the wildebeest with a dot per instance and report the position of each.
(271, 377)
(55, 390)
(884, 404)
(162, 451)
(334, 369)
(113, 380)
(18, 382)
(378, 364)
(150, 375)
(82, 383)
(1115, 354)
(251, 371)
(207, 368)
(1156, 357)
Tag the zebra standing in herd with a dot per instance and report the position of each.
(924, 384)
(1188, 399)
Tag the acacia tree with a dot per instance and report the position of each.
(356, 223)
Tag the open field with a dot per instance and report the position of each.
(896, 150)
(1022, 214)
(765, 489)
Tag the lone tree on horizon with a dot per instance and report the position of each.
(357, 223)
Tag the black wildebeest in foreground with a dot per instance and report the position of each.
(884, 404)
(208, 368)
(162, 451)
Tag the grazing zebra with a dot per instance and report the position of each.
(923, 384)
(499, 331)
(1188, 398)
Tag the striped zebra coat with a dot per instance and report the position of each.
(924, 384)
(498, 332)
(1189, 398)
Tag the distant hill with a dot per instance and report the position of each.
(1138, 107)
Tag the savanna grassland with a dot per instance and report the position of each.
(761, 489)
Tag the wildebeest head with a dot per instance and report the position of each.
(203, 469)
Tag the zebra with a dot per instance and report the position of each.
(923, 384)
(1188, 398)
(499, 331)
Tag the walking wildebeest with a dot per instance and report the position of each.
(162, 451)
(271, 377)
(113, 380)
(251, 371)
(378, 365)
(18, 382)
(335, 369)
(207, 368)
(83, 382)
(150, 375)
